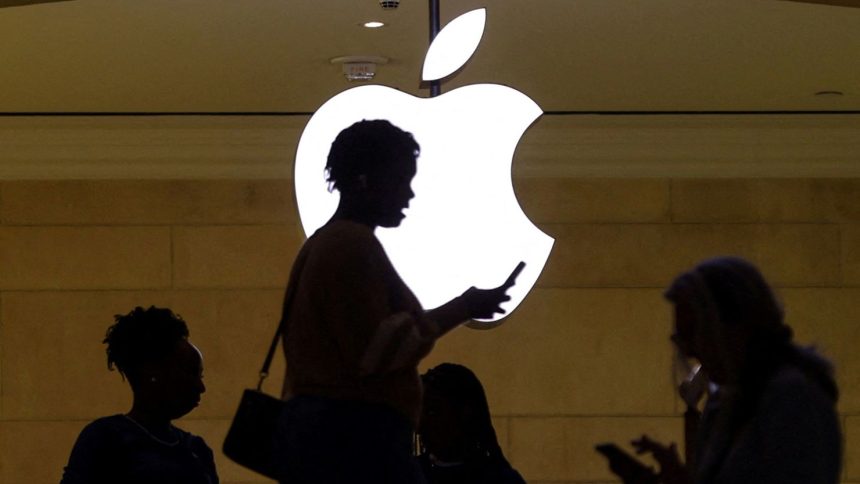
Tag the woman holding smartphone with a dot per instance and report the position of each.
(770, 416)
(354, 332)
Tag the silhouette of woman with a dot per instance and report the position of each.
(772, 418)
(354, 332)
(150, 348)
(456, 436)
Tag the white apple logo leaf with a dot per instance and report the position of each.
(454, 45)
(465, 226)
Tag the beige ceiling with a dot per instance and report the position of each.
(568, 55)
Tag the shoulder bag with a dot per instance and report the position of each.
(250, 442)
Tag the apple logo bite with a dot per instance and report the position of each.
(464, 227)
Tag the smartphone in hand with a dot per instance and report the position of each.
(512, 279)
(625, 466)
(509, 283)
(694, 386)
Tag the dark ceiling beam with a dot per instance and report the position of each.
(19, 3)
(837, 3)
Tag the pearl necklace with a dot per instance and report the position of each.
(150, 434)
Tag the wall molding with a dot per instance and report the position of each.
(259, 147)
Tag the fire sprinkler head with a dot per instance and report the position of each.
(359, 71)
(389, 4)
(359, 67)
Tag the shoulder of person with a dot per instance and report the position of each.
(344, 243)
(104, 428)
(196, 443)
(788, 376)
(792, 387)
(95, 451)
(99, 442)
(200, 447)
(344, 233)
(790, 379)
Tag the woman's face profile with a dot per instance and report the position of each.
(692, 342)
(179, 380)
(390, 191)
(685, 329)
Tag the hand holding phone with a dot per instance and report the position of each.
(512, 279)
(627, 467)
(694, 386)
(484, 303)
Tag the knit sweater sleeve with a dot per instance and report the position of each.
(377, 322)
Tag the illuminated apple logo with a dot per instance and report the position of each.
(464, 227)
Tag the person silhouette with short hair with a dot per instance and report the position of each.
(150, 348)
(354, 332)
(457, 441)
(770, 417)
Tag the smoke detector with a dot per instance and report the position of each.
(389, 4)
(357, 68)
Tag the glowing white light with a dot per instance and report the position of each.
(373, 24)
(453, 46)
(464, 227)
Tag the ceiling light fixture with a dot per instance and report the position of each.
(829, 93)
(373, 24)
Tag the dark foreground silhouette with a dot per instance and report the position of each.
(456, 437)
(150, 348)
(770, 415)
(354, 332)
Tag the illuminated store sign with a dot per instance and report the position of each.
(464, 226)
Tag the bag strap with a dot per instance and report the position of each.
(264, 372)
(288, 301)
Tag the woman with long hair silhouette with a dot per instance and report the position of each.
(770, 415)
(456, 438)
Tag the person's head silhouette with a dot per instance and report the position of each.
(455, 434)
(724, 310)
(728, 317)
(150, 348)
(455, 422)
(371, 164)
